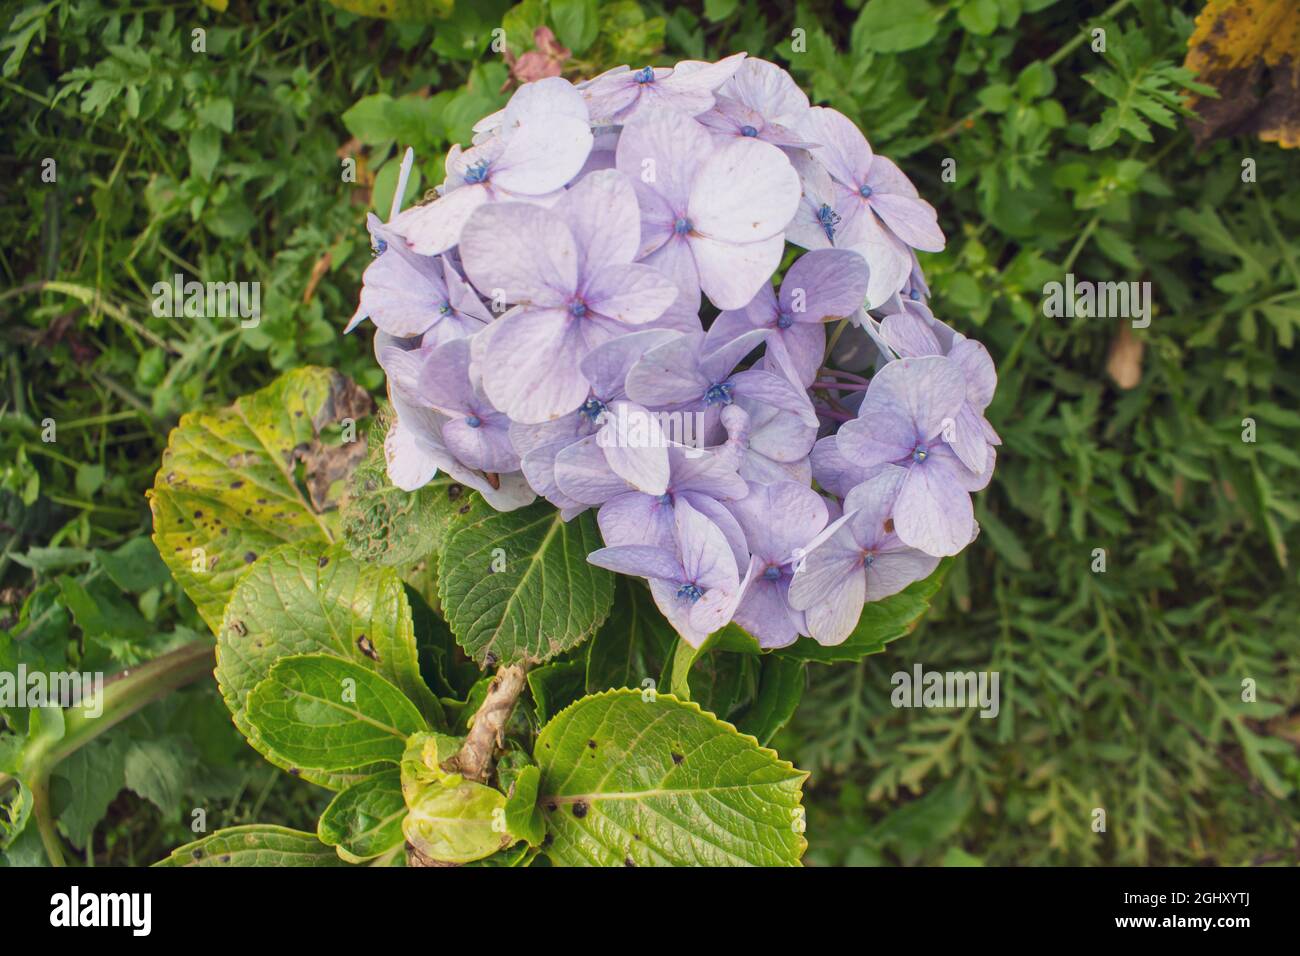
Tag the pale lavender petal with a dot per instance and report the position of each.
(706, 556)
(730, 274)
(891, 571)
(634, 518)
(747, 191)
(765, 613)
(668, 374)
(676, 260)
(844, 150)
(664, 152)
(871, 506)
(542, 155)
(633, 294)
(485, 446)
(977, 365)
(833, 471)
(436, 226)
(823, 284)
(912, 220)
(639, 560)
(583, 473)
(604, 218)
(933, 512)
(635, 447)
(909, 335)
(768, 388)
(532, 372)
(606, 366)
(779, 518)
(720, 353)
(521, 253)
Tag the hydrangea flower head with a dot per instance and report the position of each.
(544, 328)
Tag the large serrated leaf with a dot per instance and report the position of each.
(516, 585)
(254, 845)
(301, 599)
(630, 781)
(320, 712)
(226, 491)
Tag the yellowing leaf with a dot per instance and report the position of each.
(1238, 47)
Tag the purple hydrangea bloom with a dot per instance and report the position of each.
(621, 94)
(914, 332)
(695, 582)
(440, 378)
(825, 284)
(407, 294)
(779, 520)
(532, 156)
(770, 444)
(684, 374)
(908, 406)
(861, 559)
(712, 218)
(760, 101)
(570, 270)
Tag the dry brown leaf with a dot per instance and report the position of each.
(1250, 51)
(1124, 363)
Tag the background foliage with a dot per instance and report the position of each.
(1120, 690)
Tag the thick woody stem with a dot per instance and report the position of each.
(475, 758)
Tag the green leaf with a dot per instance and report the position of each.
(94, 775)
(630, 782)
(226, 492)
(979, 17)
(892, 26)
(780, 688)
(457, 821)
(365, 820)
(300, 599)
(523, 816)
(135, 566)
(254, 845)
(542, 599)
(158, 771)
(881, 622)
(205, 151)
(576, 23)
(556, 686)
(398, 9)
(386, 525)
(320, 712)
(634, 644)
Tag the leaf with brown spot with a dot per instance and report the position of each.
(234, 467)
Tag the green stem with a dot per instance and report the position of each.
(124, 694)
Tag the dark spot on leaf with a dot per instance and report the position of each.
(250, 557)
(197, 854)
(322, 561)
(198, 514)
(490, 660)
(678, 758)
(455, 491)
(225, 858)
(591, 744)
(463, 510)
(550, 806)
(579, 809)
(367, 647)
(294, 772)
(628, 861)
(261, 501)
(238, 627)
(238, 483)
(636, 836)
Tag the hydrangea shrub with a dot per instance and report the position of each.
(669, 418)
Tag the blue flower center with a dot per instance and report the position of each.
(577, 308)
(920, 454)
(477, 173)
(682, 226)
(380, 246)
(784, 320)
(864, 191)
(473, 421)
(665, 499)
(748, 131)
(689, 592)
(719, 393)
(771, 572)
(829, 219)
(444, 309)
(593, 408)
(646, 75)
(915, 295)
(868, 559)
